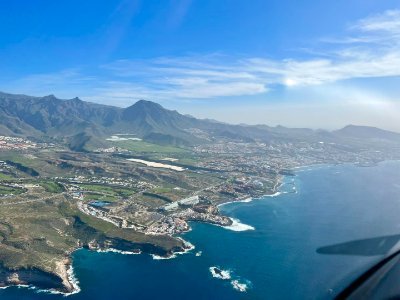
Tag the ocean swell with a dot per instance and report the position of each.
(238, 226)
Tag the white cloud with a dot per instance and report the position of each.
(370, 49)
(388, 21)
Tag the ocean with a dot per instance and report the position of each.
(275, 258)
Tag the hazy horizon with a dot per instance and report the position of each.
(236, 113)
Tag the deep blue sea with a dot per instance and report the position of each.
(277, 260)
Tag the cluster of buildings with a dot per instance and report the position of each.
(192, 214)
(261, 158)
(111, 181)
(99, 213)
(4, 167)
(168, 226)
(184, 202)
(15, 143)
(110, 150)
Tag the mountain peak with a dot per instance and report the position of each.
(367, 132)
(147, 104)
(143, 108)
(76, 100)
(50, 99)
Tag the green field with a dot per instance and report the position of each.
(52, 187)
(6, 190)
(5, 176)
(103, 192)
(17, 158)
(38, 163)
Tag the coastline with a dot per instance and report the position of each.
(238, 226)
(72, 281)
(248, 199)
(189, 247)
(72, 276)
(63, 280)
(70, 284)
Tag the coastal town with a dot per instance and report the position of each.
(140, 199)
(161, 196)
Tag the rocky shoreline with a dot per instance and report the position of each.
(57, 281)
(62, 280)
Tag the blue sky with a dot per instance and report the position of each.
(320, 64)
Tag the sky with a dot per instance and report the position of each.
(318, 64)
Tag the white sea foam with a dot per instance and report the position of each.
(199, 253)
(276, 194)
(71, 278)
(158, 257)
(189, 247)
(247, 200)
(237, 226)
(223, 274)
(239, 286)
(236, 282)
(226, 203)
(118, 251)
(16, 285)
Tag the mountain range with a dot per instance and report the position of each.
(79, 123)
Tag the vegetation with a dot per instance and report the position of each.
(52, 187)
(7, 190)
(28, 170)
(166, 199)
(104, 192)
(16, 157)
(40, 162)
(5, 176)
